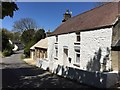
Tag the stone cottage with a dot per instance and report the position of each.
(86, 47)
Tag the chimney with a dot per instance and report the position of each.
(67, 15)
(48, 33)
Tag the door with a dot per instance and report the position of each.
(65, 57)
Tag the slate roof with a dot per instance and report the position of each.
(99, 17)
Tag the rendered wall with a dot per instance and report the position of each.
(96, 50)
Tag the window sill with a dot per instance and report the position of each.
(56, 42)
(77, 43)
(56, 58)
(77, 65)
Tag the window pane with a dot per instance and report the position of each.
(77, 58)
(56, 52)
(78, 38)
(56, 38)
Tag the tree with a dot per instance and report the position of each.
(16, 36)
(40, 34)
(6, 46)
(24, 24)
(27, 36)
(8, 9)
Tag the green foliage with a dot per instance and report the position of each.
(27, 48)
(40, 34)
(27, 52)
(22, 56)
(6, 46)
(4, 39)
(7, 52)
(16, 36)
(27, 36)
(30, 37)
(8, 9)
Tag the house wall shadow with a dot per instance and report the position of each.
(96, 79)
(94, 64)
(92, 76)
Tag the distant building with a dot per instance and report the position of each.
(18, 44)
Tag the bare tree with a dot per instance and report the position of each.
(24, 24)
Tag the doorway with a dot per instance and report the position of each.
(65, 57)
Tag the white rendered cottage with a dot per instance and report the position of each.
(86, 47)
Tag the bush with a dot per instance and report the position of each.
(22, 56)
(27, 49)
(27, 52)
(7, 52)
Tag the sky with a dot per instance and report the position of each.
(47, 15)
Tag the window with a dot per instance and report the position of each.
(56, 50)
(56, 38)
(78, 36)
(37, 53)
(42, 54)
(45, 54)
(77, 57)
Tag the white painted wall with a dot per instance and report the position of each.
(68, 41)
(32, 54)
(51, 51)
(90, 43)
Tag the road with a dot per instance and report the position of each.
(17, 74)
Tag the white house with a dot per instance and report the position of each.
(86, 47)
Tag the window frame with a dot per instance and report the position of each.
(78, 39)
(77, 61)
(77, 64)
(56, 38)
(56, 53)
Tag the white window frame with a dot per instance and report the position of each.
(75, 61)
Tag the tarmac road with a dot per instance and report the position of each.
(17, 74)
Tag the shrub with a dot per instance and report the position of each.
(22, 56)
(27, 52)
(7, 52)
(27, 49)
